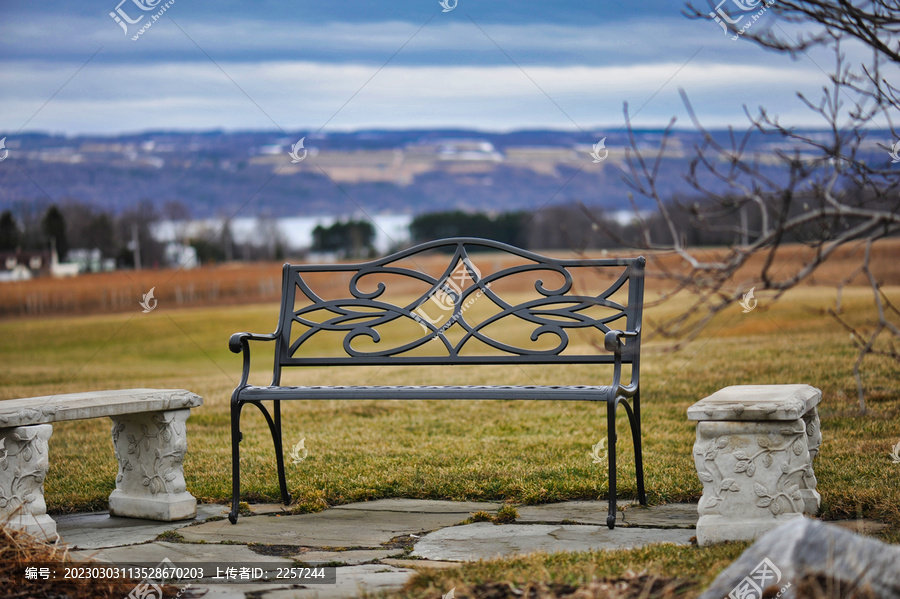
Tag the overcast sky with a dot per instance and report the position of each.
(69, 67)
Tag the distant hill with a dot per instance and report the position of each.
(398, 172)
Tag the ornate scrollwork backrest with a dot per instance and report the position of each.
(437, 324)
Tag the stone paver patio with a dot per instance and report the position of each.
(368, 542)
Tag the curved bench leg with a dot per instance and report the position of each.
(638, 455)
(611, 444)
(275, 427)
(235, 461)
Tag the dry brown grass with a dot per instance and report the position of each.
(627, 586)
(19, 550)
(242, 283)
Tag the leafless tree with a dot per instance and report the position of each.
(828, 193)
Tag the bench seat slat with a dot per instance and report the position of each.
(549, 392)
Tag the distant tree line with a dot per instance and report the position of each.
(126, 237)
(347, 239)
(574, 226)
(71, 225)
(578, 227)
(506, 227)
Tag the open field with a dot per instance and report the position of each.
(522, 452)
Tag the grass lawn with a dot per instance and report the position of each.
(521, 452)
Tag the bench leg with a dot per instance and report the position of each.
(638, 455)
(235, 461)
(611, 443)
(150, 447)
(275, 427)
(23, 467)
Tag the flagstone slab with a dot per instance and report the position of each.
(234, 591)
(679, 515)
(351, 557)
(426, 506)
(186, 554)
(97, 530)
(262, 509)
(581, 512)
(670, 515)
(419, 563)
(351, 581)
(331, 528)
(483, 540)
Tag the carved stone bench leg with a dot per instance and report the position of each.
(150, 447)
(23, 467)
(754, 475)
(811, 498)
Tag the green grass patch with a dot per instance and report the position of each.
(517, 452)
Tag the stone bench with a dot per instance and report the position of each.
(754, 451)
(149, 439)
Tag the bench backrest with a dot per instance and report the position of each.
(458, 301)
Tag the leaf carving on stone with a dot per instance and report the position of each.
(776, 507)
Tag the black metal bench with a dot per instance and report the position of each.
(458, 315)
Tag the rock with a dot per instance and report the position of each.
(483, 540)
(796, 558)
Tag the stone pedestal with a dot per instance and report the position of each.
(754, 451)
(150, 447)
(23, 467)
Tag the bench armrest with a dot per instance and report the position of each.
(612, 341)
(238, 343)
